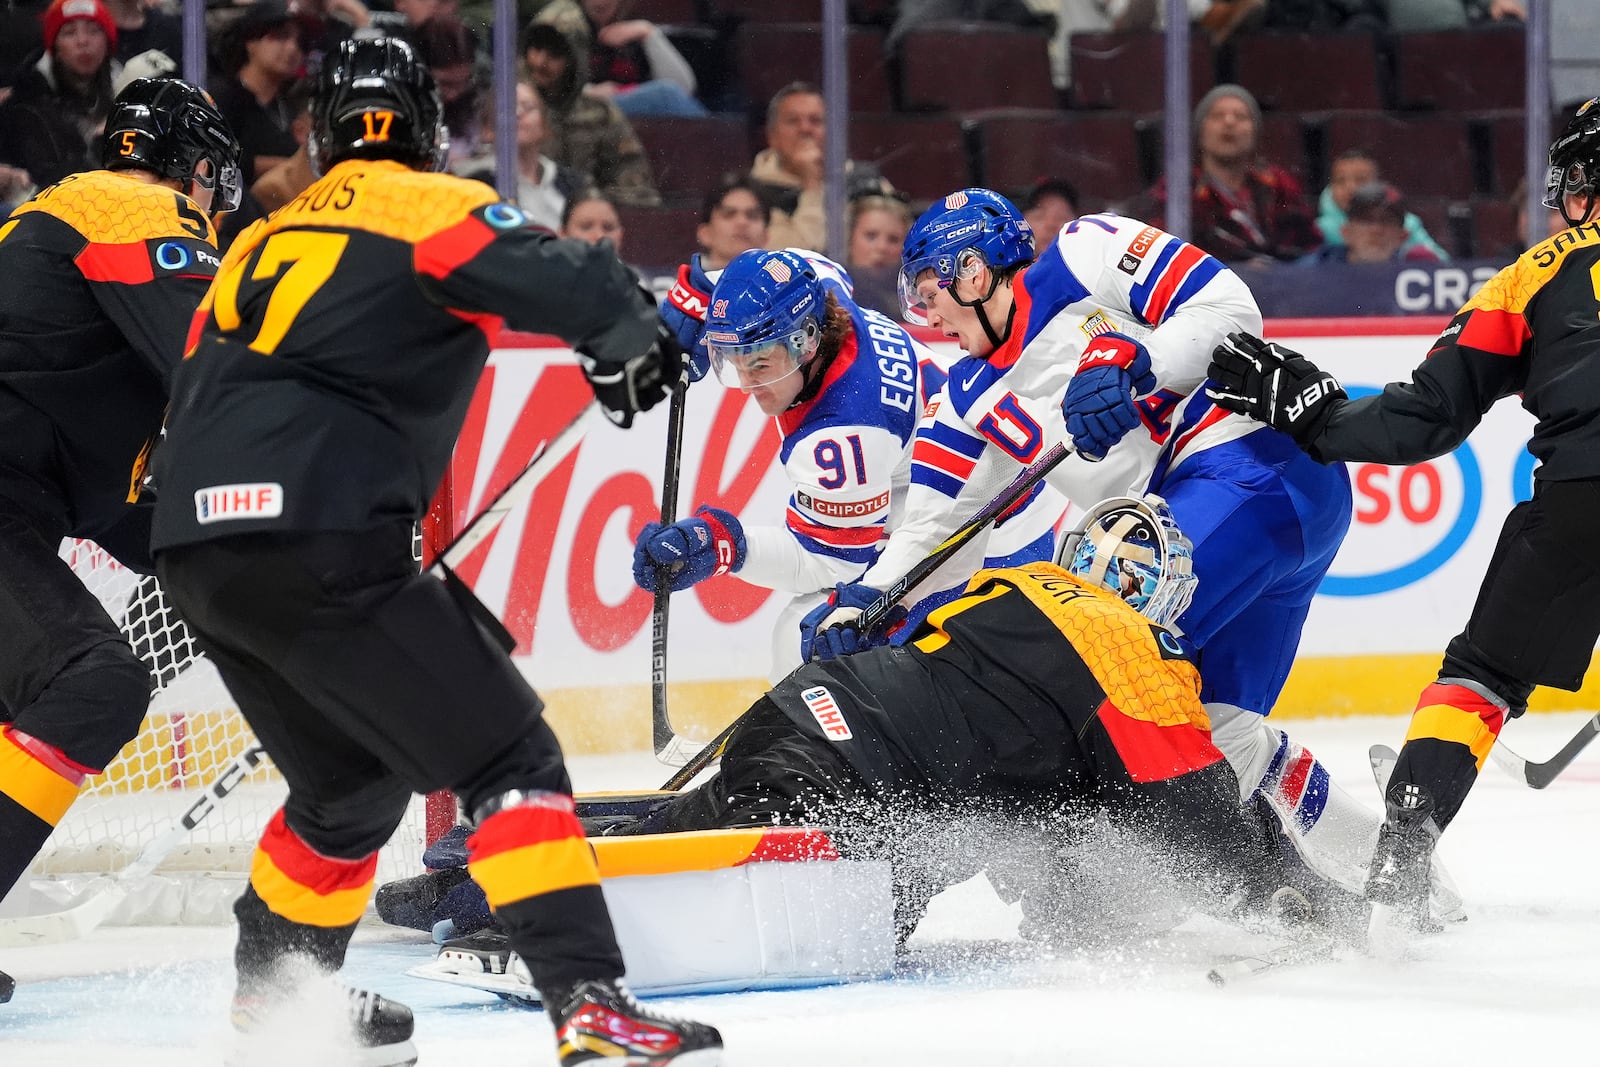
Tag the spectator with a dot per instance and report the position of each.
(584, 132)
(877, 235)
(1406, 16)
(733, 219)
(1374, 231)
(1321, 16)
(59, 104)
(16, 185)
(1244, 209)
(293, 176)
(1553, 223)
(631, 61)
(1351, 171)
(141, 27)
(543, 185)
(789, 170)
(917, 13)
(448, 49)
(263, 50)
(592, 217)
(1050, 204)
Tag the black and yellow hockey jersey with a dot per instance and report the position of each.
(1031, 676)
(332, 364)
(99, 277)
(1533, 329)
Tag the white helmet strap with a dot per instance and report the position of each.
(1110, 543)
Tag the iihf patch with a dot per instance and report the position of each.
(246, 500)
(826, 711)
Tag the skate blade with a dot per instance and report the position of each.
(1389, 933)
(462, 969)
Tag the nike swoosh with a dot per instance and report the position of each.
(974, 376)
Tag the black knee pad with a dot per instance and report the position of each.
(93, 706)
(532, 763)
(351, 827)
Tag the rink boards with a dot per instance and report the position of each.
(558, 572)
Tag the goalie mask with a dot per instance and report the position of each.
(1133, 547)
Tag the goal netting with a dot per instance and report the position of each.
(193, 730)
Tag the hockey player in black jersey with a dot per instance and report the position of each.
(99, 277)
(311, 424)
(1533, 331)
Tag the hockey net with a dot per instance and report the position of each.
(192, 731)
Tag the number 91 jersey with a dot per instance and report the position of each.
(330, 367)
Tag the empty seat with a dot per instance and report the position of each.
(1447, 221)
(1424, 155)
(773, 55)
(1460, 70)
(769, 10)
(1282, 140)
(1305, 72)
(1097, 151)
(666, 12)
(689, 156)
(1507, 148)
(925, 156)
(658, 238)
(967, 66)
(1126, 71)
(1494, 230)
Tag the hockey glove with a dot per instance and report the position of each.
(1274, 385)
(625, 389)
(830, 629)
(687, 552)
(684, 313)
(1099, 406)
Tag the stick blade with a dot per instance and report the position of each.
(69, 924)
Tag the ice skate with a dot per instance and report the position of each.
(1398, 880)
(600, 1022)
(368, 1031)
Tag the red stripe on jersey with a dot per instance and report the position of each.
(125, 263)
(550, 817)
(52, 757)
(1210, 418)
(791, 420)
(1187, 258)
(1463, 699)
(1497, 332)
(197, 326)
(309, 868)
(838, 536)
(932, 454)
(791, 844)
(491, 325)
(446, 250)
(1154, 753)
(1293, 782)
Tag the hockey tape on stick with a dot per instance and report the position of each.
(1539, 775)
(663, 738)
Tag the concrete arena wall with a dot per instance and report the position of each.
(558, 571)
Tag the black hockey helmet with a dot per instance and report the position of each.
(374, 100)
(1575, 162)
(168, 127)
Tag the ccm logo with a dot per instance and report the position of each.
(687, 301)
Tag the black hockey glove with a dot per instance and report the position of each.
(1274, 385)
(625, 389)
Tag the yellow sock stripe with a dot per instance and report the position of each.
(302, 904)
(32, 784)
(1445, 723)
(519, 873)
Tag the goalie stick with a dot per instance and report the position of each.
(876, 612)
(80, 919)
(1539, 775)
(670, 747)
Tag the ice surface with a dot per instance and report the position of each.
(1518, 983)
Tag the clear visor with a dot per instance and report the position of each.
(763, 363)
(939, 271)
(1561, 182)
(227, 187)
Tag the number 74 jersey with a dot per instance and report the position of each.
(331, 364)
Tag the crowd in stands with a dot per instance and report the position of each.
(699, 123)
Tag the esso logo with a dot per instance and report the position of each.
(1406, 522)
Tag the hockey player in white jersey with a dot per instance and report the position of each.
(846, 386)
(1105, 342)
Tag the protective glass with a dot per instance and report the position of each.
(1560, 181)
(945, 268)
(227, 187)
(762, 363)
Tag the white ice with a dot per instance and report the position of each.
(1519, 983)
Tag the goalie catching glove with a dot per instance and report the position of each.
(639, 384)
(687, 552)
(1274, 385)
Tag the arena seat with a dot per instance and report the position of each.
(1125, 71)
(769, 10)
(1494, 229)
(1506, 133)
(1424, 155)
(658, 237)
(666, 12)
(773, 55)
(966, 66)
(689, 156)
(923, 155)
(1460, 70)
(1307, 72)
(1098, 151)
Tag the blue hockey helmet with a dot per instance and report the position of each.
(766, 317)
(954, 237)
(1133, 547)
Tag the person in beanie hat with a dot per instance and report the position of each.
(60, 103)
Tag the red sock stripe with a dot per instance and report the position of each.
(1293, 782)
(310, 869)
(550, 819)
(1464, 699)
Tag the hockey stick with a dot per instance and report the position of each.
(81, 919)
(1539, 775)
(874, 614)
(671, 748)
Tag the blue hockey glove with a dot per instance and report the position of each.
(1099, 406)
(830, 630)
(683, 311)
(687, 552)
